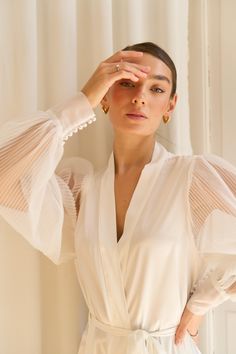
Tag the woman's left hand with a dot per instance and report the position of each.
(189, 322)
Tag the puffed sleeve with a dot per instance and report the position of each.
(35, 199)
(212, 201)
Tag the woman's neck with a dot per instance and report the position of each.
(132, 152)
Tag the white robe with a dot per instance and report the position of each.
(179, 241)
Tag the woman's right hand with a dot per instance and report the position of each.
(106, 75)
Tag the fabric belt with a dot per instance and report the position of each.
(140, 340)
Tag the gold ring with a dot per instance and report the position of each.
(117, 67)
(193, 335)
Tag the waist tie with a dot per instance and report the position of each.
(140, 340)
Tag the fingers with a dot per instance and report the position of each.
(124, 75)
(107, 74)
(122, 59)
(180, 334)
(186, 319)
(124, 55)
(128, 66)
(135, 68)
(140, 71)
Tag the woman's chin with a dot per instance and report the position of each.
(133, 130)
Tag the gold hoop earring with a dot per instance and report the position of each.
(166, 119)
(105, 109)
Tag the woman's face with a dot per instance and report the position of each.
(138, 107)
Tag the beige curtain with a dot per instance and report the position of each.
(48, 49)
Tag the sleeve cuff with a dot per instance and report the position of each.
(74, 114)
(209, 295)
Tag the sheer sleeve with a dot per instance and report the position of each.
(36, 201)
(212, 201)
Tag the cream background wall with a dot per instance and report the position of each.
(212, 83)
(48, 49)
(228, 78)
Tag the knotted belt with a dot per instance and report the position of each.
(140, 341)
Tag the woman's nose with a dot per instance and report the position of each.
(138, 100)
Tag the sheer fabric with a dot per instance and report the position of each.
(182, 214)
(212, 199)
(33, 197)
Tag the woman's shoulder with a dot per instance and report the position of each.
(210, 169)
(213, 163)
(205, 167)
(207, 160)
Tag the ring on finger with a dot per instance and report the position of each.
(193, 335)
(117, 67)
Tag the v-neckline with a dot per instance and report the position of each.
(112, 161)
(107, 208)
(114, 255)
(127, 210)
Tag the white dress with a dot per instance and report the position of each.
(179, 241)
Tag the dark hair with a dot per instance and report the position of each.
(156, 51)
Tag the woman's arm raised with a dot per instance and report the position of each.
(32, 197)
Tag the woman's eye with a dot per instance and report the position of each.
(126, 84)
(157, 89)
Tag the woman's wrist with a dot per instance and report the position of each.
(89, 97)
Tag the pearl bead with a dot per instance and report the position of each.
(80, 127)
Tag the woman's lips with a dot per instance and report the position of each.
(136, 116)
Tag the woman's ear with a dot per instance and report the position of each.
(172, 104)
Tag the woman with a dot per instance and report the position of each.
(155, 233)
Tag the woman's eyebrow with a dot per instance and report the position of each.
(160, 77)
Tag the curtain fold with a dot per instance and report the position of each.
(48, 50)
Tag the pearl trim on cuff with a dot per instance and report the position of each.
(80, 127)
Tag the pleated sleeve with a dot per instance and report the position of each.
(37, 200)
(212, 205)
